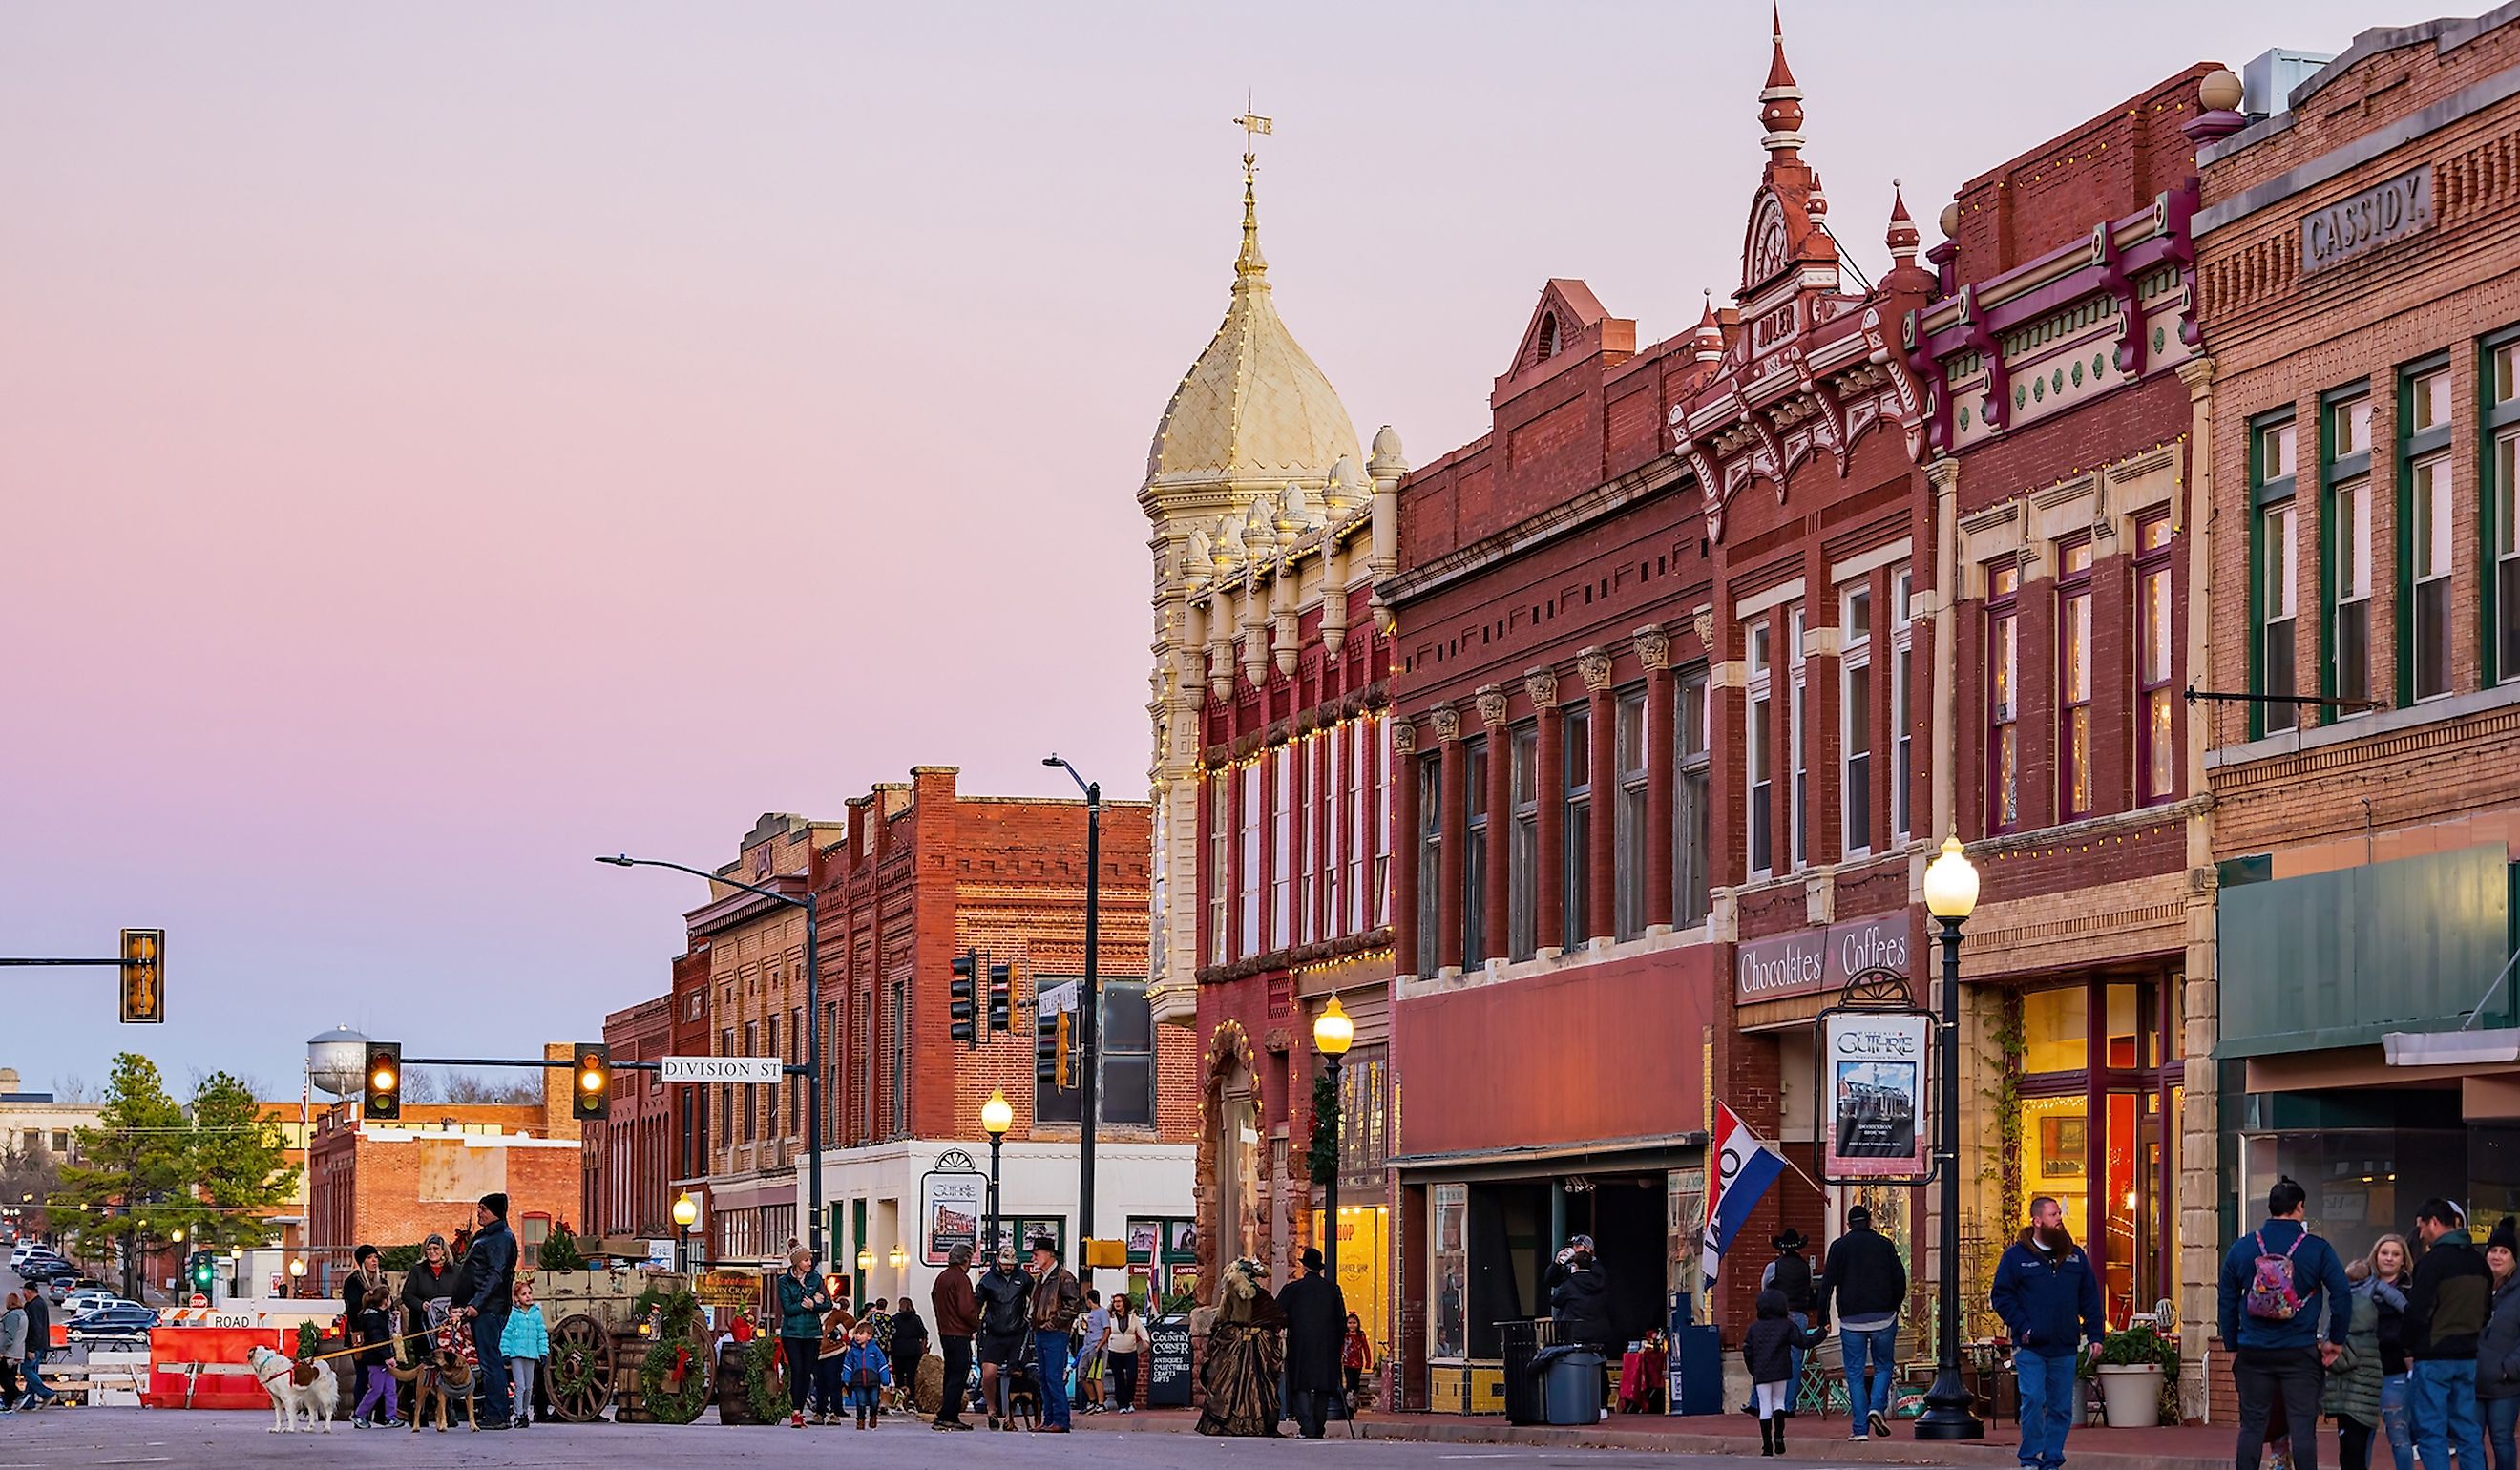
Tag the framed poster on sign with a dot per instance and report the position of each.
(1873, 1126)
(953, 1200)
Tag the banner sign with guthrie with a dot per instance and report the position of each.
(1872, 1073)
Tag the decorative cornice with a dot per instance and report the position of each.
(1654, 648)
(1540, 683)
(1595, 665)
(1492, 703)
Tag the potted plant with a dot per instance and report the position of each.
(2131, 1369)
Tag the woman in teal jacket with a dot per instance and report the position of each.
(801, 1299)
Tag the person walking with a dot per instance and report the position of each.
(490, 1270)
(524, 1343)
(801, 1299)
(2446, 1311)
(1091, 1330)
(1057, 1301)
(1120, 1349)
(958, 1318)
(1244, 1356)
(1356, 1358)
(39, 1342)
(864, 1373)
(2391, 1265)
(12, 1349)
(428, 1288)
(1867, 1282)
(1315, 1333)
(822, 1406)
(908, 1351)
(2050, 1300)
(2275, 1284)
(1767, 1351)
(2498, 1350)
(1005, 1295)
(2357, 1379)
(370, 1322)
(1791, 1274)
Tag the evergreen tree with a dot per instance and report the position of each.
(132, 1159)
(235, 1164)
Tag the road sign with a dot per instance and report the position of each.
(744, 1069)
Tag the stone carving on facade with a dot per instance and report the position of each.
(1704, 620)
(1492, 703)
(1540, 683)
(1404, 738)
(1595, 665)
(1653, 646)
(1448, 721)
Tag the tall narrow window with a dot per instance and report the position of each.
(1902, 727)
(1379, 734)
(1628, 899)
(1797, 737)
(2272, 565)
(1577, 829)
(1334, 825)
(1474, 853)
(1220, 865)
(1247, 874)
(2428, 495)
(1522, 856)
(1430, 861)
(1361, 791)
(2351, 535)
(898, 1038)
(2157, 752)
(2073, 676)
(751, 1047)
(2004, 697)
(2501, 501)
(1689, 859)
(1308, 842)
(1855, 714)
(1281, 844)
(1760, 738)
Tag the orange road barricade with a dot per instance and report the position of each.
(201, 1366)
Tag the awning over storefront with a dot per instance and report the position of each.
(1621, 1151)
(2452, 1048)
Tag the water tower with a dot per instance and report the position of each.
(337, 1062)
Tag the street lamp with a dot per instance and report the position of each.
(296, 1273)
(1950, 893)
(813, 1021)
(996, 1115)
(1332, 1034)
(898, 1259)
(686, 1214)
(1089, 1101)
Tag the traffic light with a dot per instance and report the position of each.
(965, 1005)
(1064, 1072)
(1002, 1013)
(143, 976)
(204, 1269)
(591, 1098)
(383, 1095)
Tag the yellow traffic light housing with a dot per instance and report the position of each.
(144, 977)
(591, 1098)
(382, 1094)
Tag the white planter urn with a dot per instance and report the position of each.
(2131, 1394)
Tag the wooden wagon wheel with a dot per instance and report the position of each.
(581, 1374)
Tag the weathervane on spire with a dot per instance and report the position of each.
(1254, 125)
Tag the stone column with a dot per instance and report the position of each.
(1945, 476)
(1653, 650)
(2200, 1136)
(1549, 874)
(1457, 826)
(1601, 906)
(1500, 798)
(1404, 846)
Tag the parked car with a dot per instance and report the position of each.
(124, 1322)
(46, 1271)
(26, 1248)
(90, 1298)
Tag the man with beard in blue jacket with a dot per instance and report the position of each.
(2050, 1300)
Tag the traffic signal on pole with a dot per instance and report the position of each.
(591, 1098)
(143, 976)
(966, 1002)
(381, 1096)
(1064, 1072)
(205, 1271)
(1002, 984)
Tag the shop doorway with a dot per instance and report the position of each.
(1625, 1215)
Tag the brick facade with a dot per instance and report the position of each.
(629, 1153)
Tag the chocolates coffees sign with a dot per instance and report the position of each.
(1818, 961)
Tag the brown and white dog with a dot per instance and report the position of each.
(442, 1378)
(317, 1400)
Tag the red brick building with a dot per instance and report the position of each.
(1654, 715)
(394, 1183)
(2061, 359)
(629, 1153)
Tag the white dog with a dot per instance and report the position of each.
(317, 1400)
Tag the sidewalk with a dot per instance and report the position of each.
(2185, 1447)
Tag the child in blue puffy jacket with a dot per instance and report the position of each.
(524, 1342)
(865, 1373)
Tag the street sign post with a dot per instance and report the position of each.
(737, 1069)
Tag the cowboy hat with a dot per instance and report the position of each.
(1791, 1241)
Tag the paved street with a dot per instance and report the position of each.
(235, 1441)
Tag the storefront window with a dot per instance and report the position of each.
(2099, 1129)
(1449, 1273)
(1684, 1195)
(2055, 1031)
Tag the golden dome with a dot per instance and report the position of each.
(1254, 404)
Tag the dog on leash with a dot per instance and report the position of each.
(442, 1379)
(317, 1400)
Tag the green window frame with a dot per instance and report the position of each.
(2344, 424)
(2415, 445)
(2271, 448)
(2498, 521)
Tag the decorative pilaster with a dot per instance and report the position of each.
(1404, 847)
(1600, 907)
(1653, 650)
(1540, 683)
(1493, 896)
(1456, 829)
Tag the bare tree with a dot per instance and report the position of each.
(72, 1088)
(474, 1088)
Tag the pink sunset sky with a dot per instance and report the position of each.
(442, 443)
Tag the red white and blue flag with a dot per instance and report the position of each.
(1746, 1167)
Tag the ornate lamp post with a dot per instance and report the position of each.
(1950, 893)
(687, 1218)
(1332, 1034)
(996, 1115)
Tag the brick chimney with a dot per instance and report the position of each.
(557, 1083)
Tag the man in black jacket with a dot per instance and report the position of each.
(1316, 1333)
(2447, 1305)
(1868, 1282)
(490, 1274)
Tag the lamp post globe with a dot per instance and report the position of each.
(687, 1212)
(1332, 1034)
(1950, 896)
(996, 1115)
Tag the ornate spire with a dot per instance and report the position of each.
(1903, 238)
(1250, 267)
(1780, 103)
(1706, 339)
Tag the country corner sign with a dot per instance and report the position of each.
(1872, 1087)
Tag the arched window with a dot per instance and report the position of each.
(1548, 337)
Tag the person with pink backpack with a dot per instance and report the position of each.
(2276, 1286)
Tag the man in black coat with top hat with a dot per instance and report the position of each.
(1315, 1333)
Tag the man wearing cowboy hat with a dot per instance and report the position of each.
(1791, 1274)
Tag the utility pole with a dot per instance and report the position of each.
(1091, 1001)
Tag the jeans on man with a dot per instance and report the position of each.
(38, 1390)
(1868, 1393)
(957, 1380)
(492, 1405)
(1312, 1413)
(2396, 1391)
(1049, 1350)
(2445, 1414)
(2262, 1374)
(2049, 1398)
(2501, 1419)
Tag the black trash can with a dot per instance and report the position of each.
(1524, 1401)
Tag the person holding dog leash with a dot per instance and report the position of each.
(490, 1268)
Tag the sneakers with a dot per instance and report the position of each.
(1881, 1424)
(1857, 1438)
(796, 1420)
